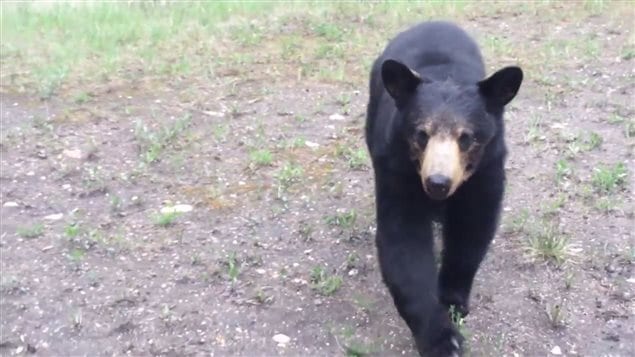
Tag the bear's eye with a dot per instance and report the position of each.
(422, 138)
(465, 141)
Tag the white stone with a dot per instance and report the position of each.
(10, 204)
(73, 154)
(177, 209)
(54, 217)
(281, 339)
(336, 116)
(556, 350)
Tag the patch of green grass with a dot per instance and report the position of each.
(628, 53)
(220, 132)
(352, 345)
(32, 231)
(563, 170)
(152, 143)
(518, 221)
(345, 219)
(72, 230)
(324, 283)
(165, 219)
(261, 157)
(100, 38)
(606, 204)
(608, 179)
(330, 31)
(594, 141)
(289, 174)
(81, 98)
(534, 131)
(76, 255)
(629, 129)
(615, 119)
(233, 268)
(356, 159)
(552, 208)
(116, 204)
(547, 243)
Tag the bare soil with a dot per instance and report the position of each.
(105, 279)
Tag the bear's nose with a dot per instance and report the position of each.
(438, 186)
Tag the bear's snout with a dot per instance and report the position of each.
(437, 186)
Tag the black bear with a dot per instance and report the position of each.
(435, 133)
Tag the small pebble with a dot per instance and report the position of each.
(281, 339)
(54, 217)
(177, 209)
(73, 154)
(556, 350)
(337, 117)
(10, 204)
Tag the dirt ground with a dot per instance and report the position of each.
(279, 240)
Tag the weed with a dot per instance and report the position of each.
(364, 303)
(594, 141)
(456, 318)
(165, 219)
(351, 260)
(568, 280)
(459, 322)
(519, 221)
(563, 169)
(551, 208)
(546, 242)
(32, 231)
(298, 143)
(345, 219)
(233, 268)
(629, 129)
(262, 157)
(153, 143)
(116, 204)
(77, 320)
(534, 132)
(356, 159)
(555, 314)
(261, 297)
(289, 174)
(608, 179)
(76, 255)
(196, 259)
(606, 204)
(330, 31)
(615, 119)
(628, 53)
(72, 230)
(305, 231)
(325, 284)
(81, 98)
(220, 132)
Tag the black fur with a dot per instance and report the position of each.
(450, 80)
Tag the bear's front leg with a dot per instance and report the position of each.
(407, 264)
(470, 224)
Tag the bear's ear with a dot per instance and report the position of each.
(501, 87)
(399, 80)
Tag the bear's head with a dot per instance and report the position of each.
(448, 125)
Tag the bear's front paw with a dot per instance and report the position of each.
(446, 343)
